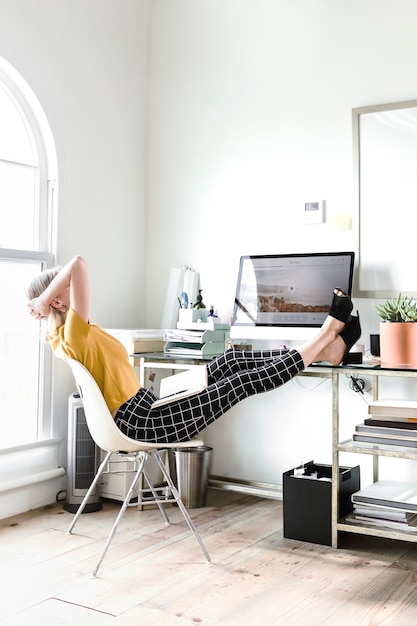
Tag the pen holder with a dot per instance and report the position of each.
(188, 316)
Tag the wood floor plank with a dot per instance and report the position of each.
(54, 612)
(133, 541)
(261, 576)
(390, 598)
(155, 574)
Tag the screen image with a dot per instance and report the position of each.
(293, 290)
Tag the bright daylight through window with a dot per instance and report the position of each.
(26, 199)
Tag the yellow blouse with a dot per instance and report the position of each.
(102, 354)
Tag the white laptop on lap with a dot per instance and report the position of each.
(182, 385)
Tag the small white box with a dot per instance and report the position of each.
(188, 316)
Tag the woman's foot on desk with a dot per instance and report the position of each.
(341, 306)
(328, 345)
(336, 352)
(351, 334)
(339, 314)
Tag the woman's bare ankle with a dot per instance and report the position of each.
(334, 352)
(331, 324)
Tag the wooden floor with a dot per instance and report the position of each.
(157, 574)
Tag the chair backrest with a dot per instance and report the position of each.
(98, 417)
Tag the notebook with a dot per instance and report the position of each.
(182, 385)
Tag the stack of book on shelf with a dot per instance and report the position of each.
(388, 503)
(391, 422)
(204, 339)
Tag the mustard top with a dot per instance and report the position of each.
(102, 354)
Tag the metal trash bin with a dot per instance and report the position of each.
(189, 468)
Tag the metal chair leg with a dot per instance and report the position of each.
(121, 513)
(180, 503)
(156, 498)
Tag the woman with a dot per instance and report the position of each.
(61, 295)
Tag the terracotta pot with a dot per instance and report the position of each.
(398, 342)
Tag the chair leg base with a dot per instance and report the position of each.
(141, 471)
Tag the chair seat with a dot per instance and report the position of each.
(131, 445)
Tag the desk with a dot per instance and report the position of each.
(160, 360)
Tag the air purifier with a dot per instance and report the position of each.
(83, 460)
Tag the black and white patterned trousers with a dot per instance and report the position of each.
(232, 376)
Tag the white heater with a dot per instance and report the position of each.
(83, 459)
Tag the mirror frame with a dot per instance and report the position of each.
(357, 177)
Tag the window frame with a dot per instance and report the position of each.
(45, 218)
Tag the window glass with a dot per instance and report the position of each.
(20, 351)
(18, 202)
(16, 138)
(27, 180)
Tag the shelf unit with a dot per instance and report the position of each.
(374, 450)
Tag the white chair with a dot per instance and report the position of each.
(109, 438)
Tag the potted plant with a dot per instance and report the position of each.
(398, 331)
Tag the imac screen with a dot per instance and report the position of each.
(289, 290)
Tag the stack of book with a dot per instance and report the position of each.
(388, 503)
(205, 340)
(138, 341)
(391, 422)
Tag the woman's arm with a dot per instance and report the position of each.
(69, 288)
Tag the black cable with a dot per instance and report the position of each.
(60, 496)
(357, 384)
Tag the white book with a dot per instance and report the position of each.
(401, 408)
(384, 512)
(194, 336)
(363, 520)
(182, 385)
(392, 493)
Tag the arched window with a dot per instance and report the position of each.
(28, 187)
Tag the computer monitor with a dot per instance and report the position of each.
(287, 296)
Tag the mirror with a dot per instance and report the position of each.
(385, 167)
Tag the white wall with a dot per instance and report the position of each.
(249, 117)
(86, 61)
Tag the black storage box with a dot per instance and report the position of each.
(307, 502)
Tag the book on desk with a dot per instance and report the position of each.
(138, 341)
(194, 336)
(197, 343)
(197, 350)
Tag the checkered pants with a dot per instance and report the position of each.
(232, 376)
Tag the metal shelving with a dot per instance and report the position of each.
(374, 450)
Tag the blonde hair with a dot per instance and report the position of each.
(37, 286)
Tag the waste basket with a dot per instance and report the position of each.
(189, 468)
(307, 501)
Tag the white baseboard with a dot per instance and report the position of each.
(263, 490)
